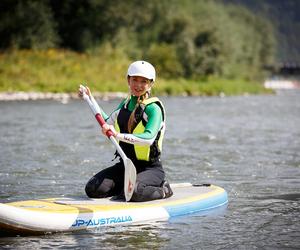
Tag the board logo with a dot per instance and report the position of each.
(102, 221)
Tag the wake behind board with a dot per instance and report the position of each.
(73, 214)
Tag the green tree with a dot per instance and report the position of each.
(165, 59)
(256, 43)
(183, 38)
(82, 24)
(27, 24)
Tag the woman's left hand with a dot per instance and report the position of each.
(107, 127)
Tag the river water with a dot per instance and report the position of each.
(249, 145)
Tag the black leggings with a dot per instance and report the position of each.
(110, 182)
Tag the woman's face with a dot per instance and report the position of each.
(138, 85)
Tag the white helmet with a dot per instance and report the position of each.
(142, 68)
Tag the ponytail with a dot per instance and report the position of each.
(132, 122)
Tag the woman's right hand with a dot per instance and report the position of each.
(86, 89)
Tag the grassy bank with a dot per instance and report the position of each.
(104, 70)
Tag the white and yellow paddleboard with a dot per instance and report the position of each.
(71, 214)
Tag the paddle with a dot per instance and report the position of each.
(130, 170)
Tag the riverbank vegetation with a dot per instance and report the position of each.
(198, 48)
(57, 71)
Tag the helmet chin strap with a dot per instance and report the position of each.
(141, 94)
(147, 91)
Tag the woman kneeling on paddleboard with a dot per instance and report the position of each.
(138, 124)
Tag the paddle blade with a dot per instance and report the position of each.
(129, 178)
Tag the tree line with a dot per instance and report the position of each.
(182, 38)
(285, 17)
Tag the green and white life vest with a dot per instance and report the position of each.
(141, 152)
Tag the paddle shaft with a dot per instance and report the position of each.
(97, 112)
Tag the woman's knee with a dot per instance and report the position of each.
(142, 192)
(96, 188)
(138, 192)
(91, 187)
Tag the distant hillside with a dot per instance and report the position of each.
(285, 16)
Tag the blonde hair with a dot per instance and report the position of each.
(132, 122)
